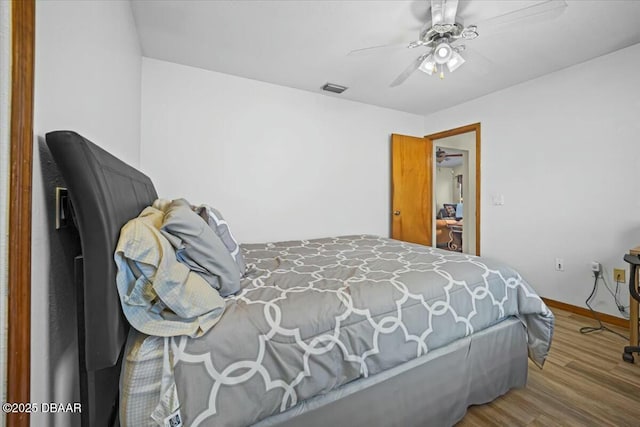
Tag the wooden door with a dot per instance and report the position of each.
(411, 189)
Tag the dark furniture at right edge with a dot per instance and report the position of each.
(633, 258)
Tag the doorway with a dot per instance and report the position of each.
(456, 195)
(414, 207)
(450, 180)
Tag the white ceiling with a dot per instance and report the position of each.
(304, 44)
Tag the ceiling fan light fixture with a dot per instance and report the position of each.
(456, 61)
(428, 65)
(442, 53)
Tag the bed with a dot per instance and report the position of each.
(400, 334)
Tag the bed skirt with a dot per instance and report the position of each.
(435, 389)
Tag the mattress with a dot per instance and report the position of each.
(312, 317)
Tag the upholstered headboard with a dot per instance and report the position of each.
(105, 193)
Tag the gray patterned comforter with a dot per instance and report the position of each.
(313, 315)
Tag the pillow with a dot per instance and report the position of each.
(214, 218)
(199, 247)
(449, 210)
(159, 295)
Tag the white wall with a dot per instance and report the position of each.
(279, 163)
(579, 127)
(443, 187)
(5, 108)
(87, 79)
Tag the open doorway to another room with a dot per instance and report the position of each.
(450, 170)
(456, 185)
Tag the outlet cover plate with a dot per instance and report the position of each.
(619, 275)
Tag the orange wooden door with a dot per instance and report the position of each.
(411, 189)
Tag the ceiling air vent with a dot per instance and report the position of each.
(330, 87)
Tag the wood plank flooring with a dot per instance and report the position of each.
(584, 383)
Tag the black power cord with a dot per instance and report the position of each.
(615, 295)
(621, 307)
(601, 327)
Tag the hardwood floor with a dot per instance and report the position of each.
(584, 383)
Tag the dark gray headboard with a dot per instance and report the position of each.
(105, 193)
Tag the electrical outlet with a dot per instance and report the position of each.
(595, 266)
(559, 264)
(619, 275)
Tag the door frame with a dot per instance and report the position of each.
(20, 180)
(474, 127)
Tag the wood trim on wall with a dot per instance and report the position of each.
(474, 127)
(606, 318)
(20, 181)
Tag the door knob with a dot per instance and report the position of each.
(396, 213)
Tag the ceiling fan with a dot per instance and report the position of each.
(442, 155)
(445, 30)
(439, 35)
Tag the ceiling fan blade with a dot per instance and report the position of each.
(541, 11)
(450, 11)
(408, 71)
(376, 49)
(443, 11)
